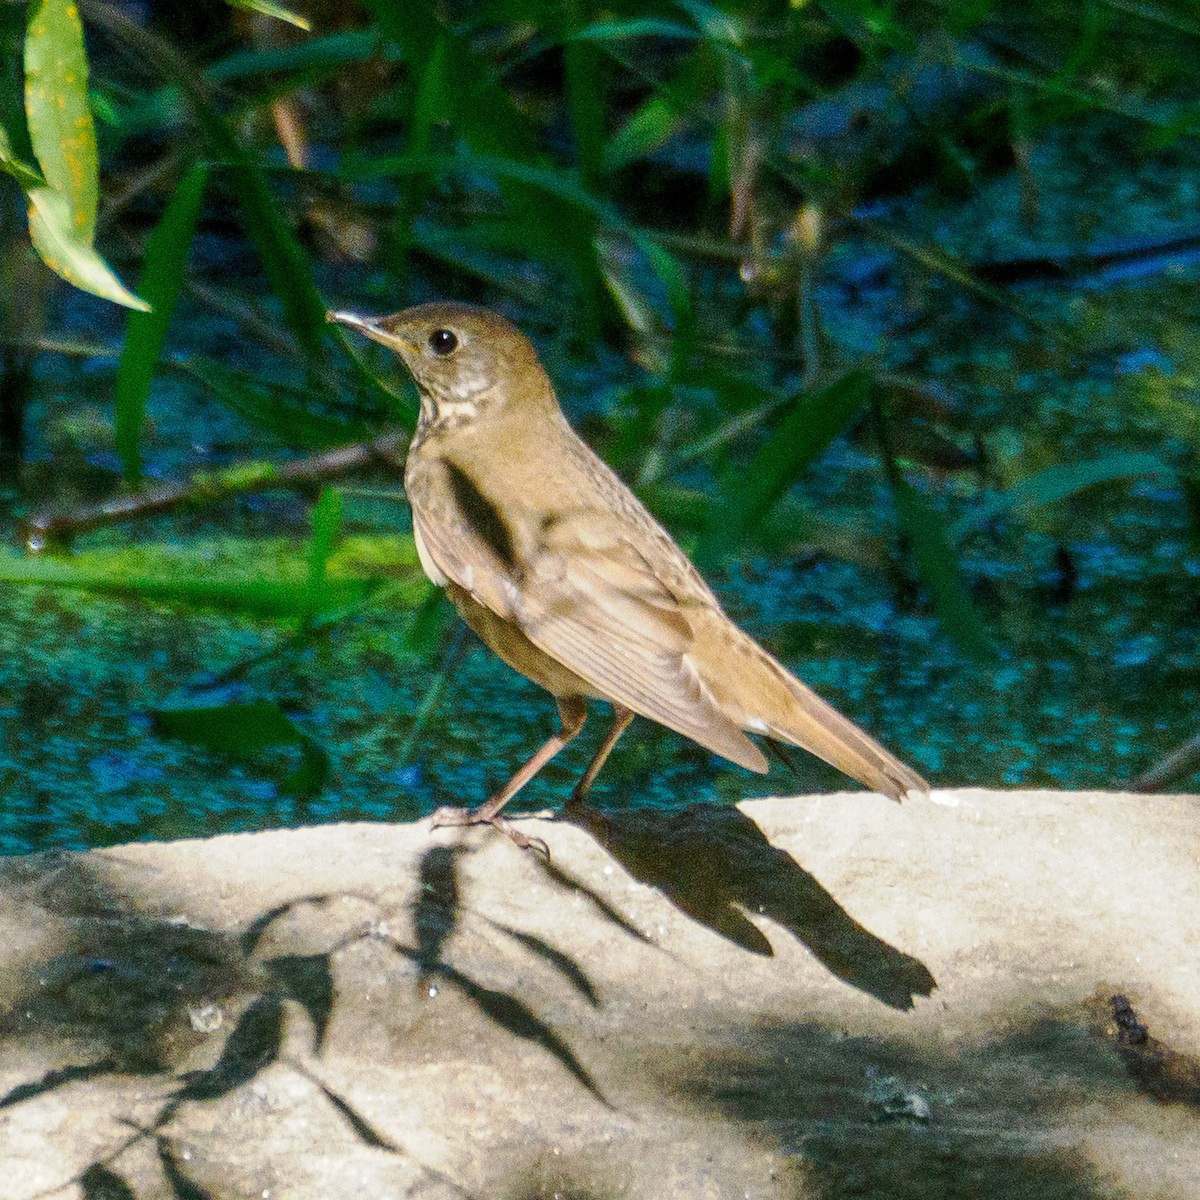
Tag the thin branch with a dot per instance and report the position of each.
(48, 528)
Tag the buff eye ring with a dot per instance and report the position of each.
(442, 342)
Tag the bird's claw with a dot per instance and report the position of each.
(462, 817)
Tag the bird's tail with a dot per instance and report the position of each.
(778, 705)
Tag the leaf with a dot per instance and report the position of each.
(327, 521)
(1058, 482)
(752, 489)
(552, 181)
(649, 127)
(190, 581)
(61, 129)
(27, 176)
(243, 730)
(283, 411)
(240, 729)
(162, 275)
(282, 255)
(481, 112)
(273, 10)
(714, 23)
(318, 56)
(641, 27)
(937, 568)
(77, 263)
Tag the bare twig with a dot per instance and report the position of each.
(48, 528)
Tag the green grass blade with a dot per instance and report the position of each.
(937, 568)
(1058, 482)
(288, 414)
(267, 598)
(327, 523)
(482, 112)
(752, 489)
(162, 276)
(554, 182)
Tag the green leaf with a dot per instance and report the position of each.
(272, 10)
(315, 56)
(327, 523)
(162, 276)
(1058, 482)
(61, 129)
(753, 488)
(62, 210)
(650, 126)
(642, 27)
(190, 581)
(244, 730)
(50, 230)
(231, 728)
(282, 255)
(553, 182)
(481, 112)
(937, 568)
(287, 413)
(28, 177)
(715, 23)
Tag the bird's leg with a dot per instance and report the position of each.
(572, 713)
(621, 719)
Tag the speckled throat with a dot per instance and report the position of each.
(443, 413)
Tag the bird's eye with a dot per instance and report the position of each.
(443, 342)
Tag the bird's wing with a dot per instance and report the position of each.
(585, 595)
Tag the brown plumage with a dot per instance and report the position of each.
(563, 572)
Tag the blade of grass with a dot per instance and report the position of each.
(1057, 483)
(937, 568)
(192, 585)
(327, 523)
(553, 182)
(267, 9)
(752, 489)
(162, 275)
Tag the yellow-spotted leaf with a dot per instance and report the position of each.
(50, 228)
(59, 117)
(277, 11)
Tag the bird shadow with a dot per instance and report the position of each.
(716, 865)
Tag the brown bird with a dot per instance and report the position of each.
(563, 572)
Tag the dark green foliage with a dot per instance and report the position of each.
(731, 228)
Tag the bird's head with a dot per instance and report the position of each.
(467, 362)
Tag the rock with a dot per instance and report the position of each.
(829, 996)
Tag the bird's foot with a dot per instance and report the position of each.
(472, 816)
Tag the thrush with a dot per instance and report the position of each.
(563, 572)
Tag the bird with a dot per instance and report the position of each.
(565, 575)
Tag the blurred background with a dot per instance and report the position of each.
(889, 312)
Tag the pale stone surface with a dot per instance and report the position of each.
(725, 1003)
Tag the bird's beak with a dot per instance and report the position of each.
(368, 326)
